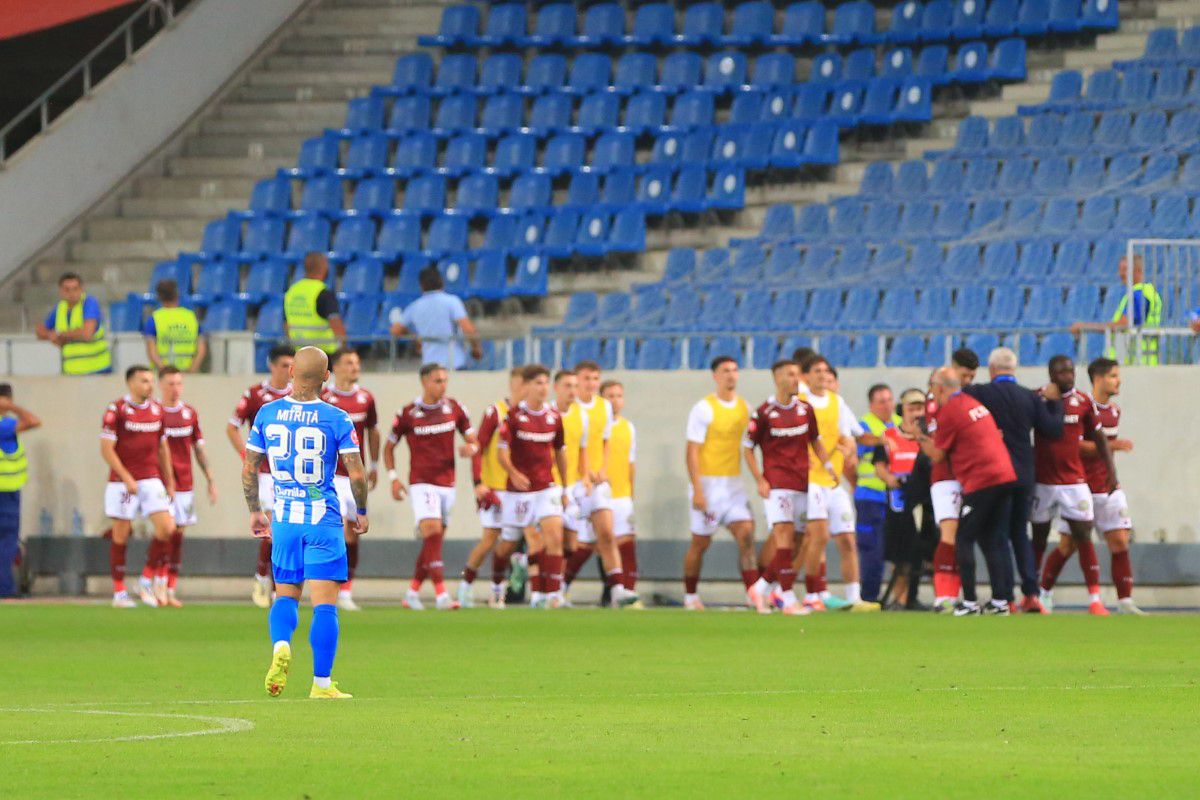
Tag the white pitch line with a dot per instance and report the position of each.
(224, 725)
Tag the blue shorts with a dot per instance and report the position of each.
(308, 552)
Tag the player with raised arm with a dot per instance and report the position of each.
(182, 430)
(429, 423)
(141, 482)
(784, 427)
(1062, 485)
(531, 447)
(346, 394)
(1111, 507)
(301, 438)
(622, 471)
(715, 428)
(277, 385)
(490, 480)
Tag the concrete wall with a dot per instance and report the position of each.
(134, 111)
(1160, 475)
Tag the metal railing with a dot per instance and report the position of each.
(88, 72)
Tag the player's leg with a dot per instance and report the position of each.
(812, 549)
(579, 542)
(1112, 517)
(1041, 512)
(485, 545)
(287, 566)
(783, 533)
(602, 525)
(743, 536)
(323, 638)
(174, 564)
(120, 507)
(946, 498)
(260, 593)
(502, 557)
(551, 523)
(703, 525)
(626, 539)
(841, 530)
(159, 551)
(535, 549)
(1075, 507)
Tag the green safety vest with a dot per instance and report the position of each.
(176, 332)
(81, 358)
(305, 326)
(872, 486)
(13, 469)
(1149, 353)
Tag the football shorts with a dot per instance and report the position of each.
(308, 552)
(151, 498)
(1072, 501)
(623, 522)
(430, 501)
(834, 504)
(786, 505)
(947, 500)
(489, 518)
(726, 504)
(184, 509)
(1111, 513)
(525, 509)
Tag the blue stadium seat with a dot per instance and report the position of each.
(603, 25)
(415, 153)
(307, 234)
(789, 310)
(477, 195)
(399, 236)
(221, 237)
(1083, 302)
(506, 24)
(500, 235)
(970, 64)
(529, 192)
(1133, 215)
(530, 278)
(1001, 18)
(561, 154)
(597, 113)
(514, 154)
(645, 112)
(897, 63)
(877, 180)
(590, 72)
(465, 153)
(455, 115)
(836, 347)
(936, 20)
(826, 68)
(906, 351)
(412, 73)
(1008, 59)
(317, 157)
(634, 72)
(270, 196)
(947, 178)
(970, 307)
(803, 23)
(1098, 215)
(967, 21)
(716, 311)
(502, 114)
(654, 354)
(217, 280)
(373, 197)
(455, 73)
(987, 215)
(1170, 216)
(226, 315)
(906, 22)
(1050, 175)
(853, 23)
(916, 220)
(753, 22)
(554, 26)
(459, 23)
(409, 115)
(262, 237)
(447, 235)
(1044, 308)
(1071, 260)
(425, 196)
(499, 73)
(961, 264)
(680, 71)
(774, 71)
(1016, 177)
(1058, 343)
(653, 24)
(861, 308)
(847, 221)
(362, 277)
(1060, 216)
(934, 64)
(999, 261)
(703, 23)
(1087, 175)
(354, 236)
(859, 65)
(1008, 300)
(546, 72)
(1100, 15)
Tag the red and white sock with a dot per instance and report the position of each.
(629, 563)
(1090, 564)
(116, 566)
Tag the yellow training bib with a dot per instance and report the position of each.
(721, 453)
(620, 458)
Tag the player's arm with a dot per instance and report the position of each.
(358, 487)
(165, 467)
(260, 526)
(518, 478)
(389, 463)
(764, 488)
(1100, 441)
(108, 451)
(560, 460)
(201, 456)
(374, 441)
(928, 446)
(818, 448)
(692, 457)
(632, 478)
(234, 434)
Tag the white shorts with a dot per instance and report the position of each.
(345, 495)
(1111, 510)
(184, 509)
(489, 518)
(947, 500)
(266, 491)
(513, 535)
(623, 523)
(727, 504)
(1071, 501)
(834, 504)
(786, 505)
(151, 498)
(431, 502)
(524, 509)
(578, 515)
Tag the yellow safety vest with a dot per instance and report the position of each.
(870, 486)
(1153, 319)
(305, 326)
(13, 469)
(176, 332)
(493, 475)
(81, 358)
(721, 453)
(620, 458)
(828, 430)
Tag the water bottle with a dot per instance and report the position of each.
(45, 523)
(76, 523)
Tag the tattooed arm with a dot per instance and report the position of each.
(358, 487)
(260, 526)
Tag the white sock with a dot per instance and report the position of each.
(144, 581)
(854, 592)
(1045, 594)
(321, 683)
(443, 596)
(1094, 597)
(762, 587)
(343, 592)
(537, 597)
(497, 588)
(413, 592)
(691, 598)
(282, 643)
(812, 597)
(774, 587)
(789, 598)
(121, 595)
(265, 580)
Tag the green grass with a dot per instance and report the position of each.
(603, 704)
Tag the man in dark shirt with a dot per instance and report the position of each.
(1018, 412)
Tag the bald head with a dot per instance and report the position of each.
(945, 377)
(310, 370)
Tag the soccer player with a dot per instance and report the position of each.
(429, 423)
(946, 495)
(277, 385)
(589, 421)
(622, 469)
(830, 510)
(1061, 483)
(531, 446)
(1111, 507)
(784, 427)
(181, 426)
(300, 438)
(490, 480)
(577, 532)
(715, 428)
(141, 482)
(346, 394)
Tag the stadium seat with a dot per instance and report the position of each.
(225, 315)
(217, 280)
(803, 24)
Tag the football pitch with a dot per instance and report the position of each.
(592, 703)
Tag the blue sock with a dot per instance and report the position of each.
(324, 638)
(284, 616)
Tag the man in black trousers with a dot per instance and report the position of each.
(1018, 412)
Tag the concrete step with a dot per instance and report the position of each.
(149, 229)
(129, 249)
(217, 167)
(276, 146)
(172, 207)
(356, 77)
(322, 64)
(46, 272)
(299, 94)
(384, 3)
(1099, 59)
(268, 126)
(290, 109)
(394, 46)
(1172, 9)
(1025, 92)
(193, 187)
(417, 17)
(366, 30)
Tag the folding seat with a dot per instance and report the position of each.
(1100, 15)
(653, 191)
(455, 115)
(853, 264)
(221, 237)
(970, 64)
(500, 235)
(415, 153)
(1008, 301)
(811, 101)
(692, 110)
(1105, 253)
(228, 314)
(951, 219)
(217, 280)
(546, 72)
(982, 343)
(1123, 172)
(724, 72)
(790, 144)
(612, 311)
(1087, 175)
(999, 261)
(447, 235)
(597, 113)
(270, 197)
(1072, 258)
(1058, 343)
(550, 114)
(506, 24)
(897, 63)
(584, 349)
(603, 25)
(987, 215)
(813, 221)
(853, 23)
(1133, 214)
(883, 215)
(361, 318)
(680, 71)
(464, 154)
(972, 136)
(409, 114)
(861, 306)
(788, 310)
(916, 221)
(774, 70)
(1112, 134)
(968, 19)
(689, 190)
(1189, 174)
(969, 309)
(1063, 17)
(818, 263)
(425, 196)
(413, 73)
(477, 195)
(618, 189)
(1136, 87)
(746, 109)
(716, 310)
(317, 157)
(1170, 87)
(836, 347)
(896, 309)
(1007, 138)
(1101, 91)
(628, 232)
(366, 155)
(703, 23)
(847, 221)
(887, 263)
(914, 102)
(398, 237)
(502, 114)
(1024, 217)
(682, 310)
(1035, 261)
(859, 65)
(1060, 216)
(353, 237)
(713, 266)
(589, 73)
(746, 265)
(514, 154)
(1000, 19)
(1083, 301)
(962, 263)
(1189, 45)
(1008, 60)
(611, 151)
(554, 26)
(753, 22)
(653, 24)
(1016, 176)
(363, 277)
(877, 179)
(1065, 92)
(1170, 216)
(306, 235)
(458, 24)
(1033, 19)
(1050, 175)
(1148, 131)
(263, 237)
(847, 103)
(529, 192)
(680, 266)
(934, 63)
(562, 154)
(1043, 132)
(1044, 307)
(906, 24)
(654, 354)
(320, 195)
(906, 351)
(803, 23)
(748, 147)
(501, 72)
(824, 306)
(455, 74)
(878, 102)
(634, 72)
